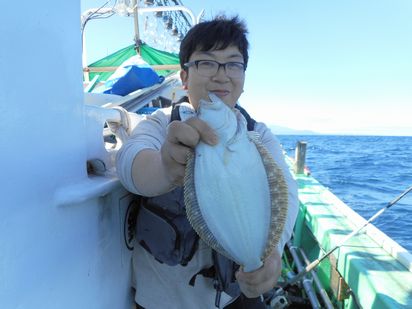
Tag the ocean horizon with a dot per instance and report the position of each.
(400, 132)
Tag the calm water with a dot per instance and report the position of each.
(366, 172)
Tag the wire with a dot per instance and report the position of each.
(92, 15)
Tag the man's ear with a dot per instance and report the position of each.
(183, 78)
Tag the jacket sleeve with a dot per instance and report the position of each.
(149, 133)
(274, 147)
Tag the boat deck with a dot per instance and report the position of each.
(377, 270)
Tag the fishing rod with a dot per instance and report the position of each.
(316, 262)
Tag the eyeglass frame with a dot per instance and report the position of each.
(196, 63)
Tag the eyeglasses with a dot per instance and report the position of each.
(209, 68)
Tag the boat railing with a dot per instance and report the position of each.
(101, 118)
(381, 239)
(108, 122)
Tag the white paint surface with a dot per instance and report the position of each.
(53, 254)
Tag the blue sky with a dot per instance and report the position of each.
(328, 66)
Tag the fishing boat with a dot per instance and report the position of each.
(67, 224)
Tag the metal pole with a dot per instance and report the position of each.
(136, 26)
(323, 294)
(307, 283)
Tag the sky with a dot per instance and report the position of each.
(331, 67)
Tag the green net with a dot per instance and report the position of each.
(149, 54)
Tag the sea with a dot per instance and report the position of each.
(365, 172)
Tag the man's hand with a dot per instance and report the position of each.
(182, 137)
(255, 283)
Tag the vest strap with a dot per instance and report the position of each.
(206, 272)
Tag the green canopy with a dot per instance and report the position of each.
(149, 54)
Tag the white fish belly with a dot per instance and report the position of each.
(234, 198)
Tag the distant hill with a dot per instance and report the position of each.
(288, 131)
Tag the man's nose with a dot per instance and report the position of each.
(221, 73)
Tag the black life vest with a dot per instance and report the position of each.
(163, 229)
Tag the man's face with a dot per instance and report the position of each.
(228, 89)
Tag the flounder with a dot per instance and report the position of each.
(235, 194)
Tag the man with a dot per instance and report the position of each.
(213, 57)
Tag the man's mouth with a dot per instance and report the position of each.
(220, 93)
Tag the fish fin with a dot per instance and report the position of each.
(278, 189)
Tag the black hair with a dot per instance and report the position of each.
(216, 34)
